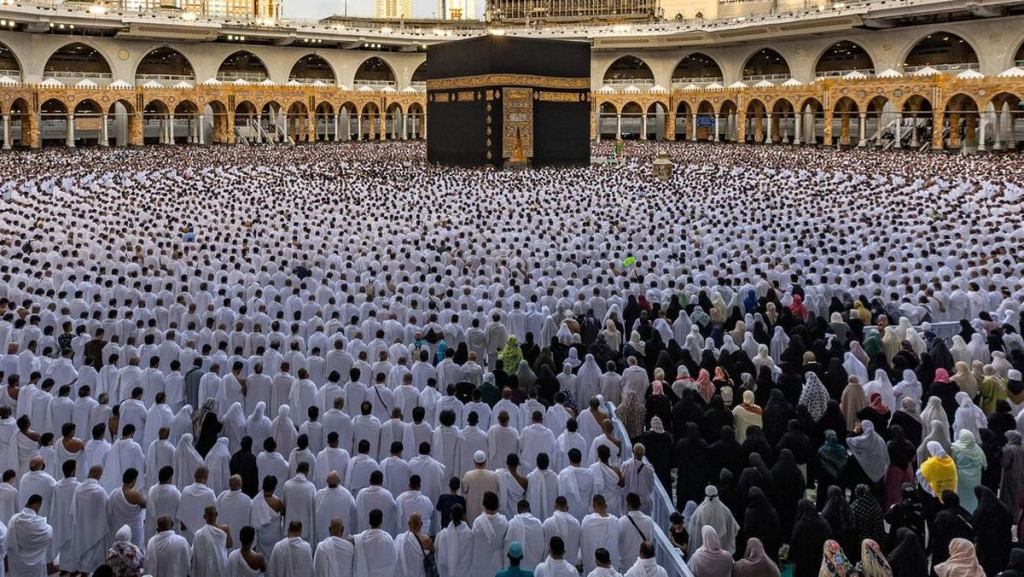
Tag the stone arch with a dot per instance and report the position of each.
(728, 116)
(765, 64)
(846, 113)
(654, 122)
(312, 68)
(375, 72)
(369, 121)
(156, 122)
(10, 63)
(75, 61)
(166, 66)
(1018, 57)
(242, 65)
(23, 124)
(419, 76)
(607, 120)
(811, 115)
(697, 68)
(54, 122)
(415, 123)
(326, 129)
(960, 121)
(842, 58)
(631, 114)
(882, 121)
(298, 122)
(628, 70)
(216, 123)
(683, 113)
(782, 122)
(940, 50)
(1004, 112)
(393, 121)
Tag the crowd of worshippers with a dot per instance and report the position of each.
(211, 370)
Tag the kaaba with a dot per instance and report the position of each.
(505, 101)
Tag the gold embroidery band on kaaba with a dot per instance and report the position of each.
(488, 80)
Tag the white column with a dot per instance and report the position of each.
(899, 130)
(643, 126)
(104, 130)
(716, 128)
(768, 135)
(618, 125)
(981, 135)
(7, 132)
(170, 128)
(69, 141)
(200, 132)
(693, 127)
(359, 127)
(863, 130)
(798, 127)
(914, 143)
(731, 128)
(337, 126)
(997, 140)
(405, 125)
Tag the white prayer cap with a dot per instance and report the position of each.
(1014, 375)
(479, 457)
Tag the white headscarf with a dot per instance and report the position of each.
(870, 450)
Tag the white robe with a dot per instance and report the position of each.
(89, 516)
(564, 525)
(159, 455)
(237, 566)
(597, 532)
(37, 483)
(528, 531)
(194, 500)
(299, 500)
(510, 492)
(28, 544)
(328, 460)
(167, 555)
(124, 454)
(121, 513)
(375, 554)
(409, 555)
(454, 548)
(646, 568)
(555, 568)
(162, 500)
(209, 553)
(267, 523)
(64, 527)
(630, 539)
(376, 497)
(334, 502)
(234, 509)
(291, 557)
(541, 491)
(335, 557)
(489, 543)
(606, 483)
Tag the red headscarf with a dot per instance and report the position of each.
(704, 386)
(877, 405)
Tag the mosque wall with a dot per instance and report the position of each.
(983, 104)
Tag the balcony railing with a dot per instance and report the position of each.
(948, 67)
(769, 77)
(247, 76)
(841, 73)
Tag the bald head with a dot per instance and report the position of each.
(337, 527)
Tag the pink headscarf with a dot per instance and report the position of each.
(704, 386)
(941, 376)
(657, 388)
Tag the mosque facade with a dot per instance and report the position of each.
(858, 75)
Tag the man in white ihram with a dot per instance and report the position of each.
(527, 530)
(563, 524)
(556, 565)
(375, 550)
(646, 565)
(333, 501)
(89, 517)
(635, 528)
(210, 548)
(28, 541)
(410, 548)
(299, 499)
(167, 553)
(335, 555)
(292, 555)
(454, 546)
(234, 508)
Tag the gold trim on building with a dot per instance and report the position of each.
(491, 80)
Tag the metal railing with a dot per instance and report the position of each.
(375, 83)
(661, 508)
(841, 73)
(769, 77)
(247, 76)
(701, 81)
(949, 67)
(164, 78)
(327, 81)
(629, 81)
